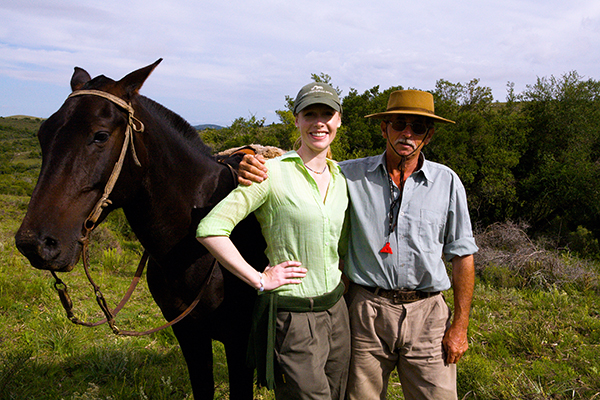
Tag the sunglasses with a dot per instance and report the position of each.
(418, 128)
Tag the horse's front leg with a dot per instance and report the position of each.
(241, 377)
(196, 346)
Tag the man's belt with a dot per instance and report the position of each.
(400, 296)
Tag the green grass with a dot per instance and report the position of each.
(532, 344)
(44, 355)
(527, 341)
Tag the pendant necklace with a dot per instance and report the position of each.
(316, 172)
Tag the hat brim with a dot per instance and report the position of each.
(383, 115)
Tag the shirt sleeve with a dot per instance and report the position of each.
(459, 240)
(232, 209)
(345, 235)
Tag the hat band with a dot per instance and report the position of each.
(425, 110)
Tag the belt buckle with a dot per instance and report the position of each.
(398, 297)
(405, 296)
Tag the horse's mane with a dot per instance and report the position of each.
(174, 120)
(178, 124)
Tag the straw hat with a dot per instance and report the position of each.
(410, 102)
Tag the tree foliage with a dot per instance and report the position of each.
(535, 157)
(559, 171)
(483, 146)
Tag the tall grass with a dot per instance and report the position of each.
(534, 333)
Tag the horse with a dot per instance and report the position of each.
(168, 181)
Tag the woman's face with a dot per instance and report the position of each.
(318, 126)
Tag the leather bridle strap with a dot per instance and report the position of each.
(65, 299)
(133, 124)
(68, 304)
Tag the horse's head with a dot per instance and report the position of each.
(81, 144)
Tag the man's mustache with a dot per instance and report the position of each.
(405, 142)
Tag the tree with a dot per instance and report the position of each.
(533, 158)
(241, 132)
(361, 137)
(482, 147)
(560, 168)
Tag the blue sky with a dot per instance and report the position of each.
(230, 59)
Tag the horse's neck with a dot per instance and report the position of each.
(179, 189)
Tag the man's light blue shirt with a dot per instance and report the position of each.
(433, 220)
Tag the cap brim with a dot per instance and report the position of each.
(319, 100)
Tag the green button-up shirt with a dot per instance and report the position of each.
(296, 224)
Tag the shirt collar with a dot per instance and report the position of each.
(425, 169)
(378, 162)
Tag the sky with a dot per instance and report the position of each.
(227, 59)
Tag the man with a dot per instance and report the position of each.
(405, 214)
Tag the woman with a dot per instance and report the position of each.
(300, 312)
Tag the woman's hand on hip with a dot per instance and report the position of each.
(283, 274)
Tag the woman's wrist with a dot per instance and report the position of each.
(261, 282)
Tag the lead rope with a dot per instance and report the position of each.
(65, 299)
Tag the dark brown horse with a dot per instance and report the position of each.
(168, 182)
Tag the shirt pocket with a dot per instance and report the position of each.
(431, 231)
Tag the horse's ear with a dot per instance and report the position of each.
(79, 78)
(132, 83)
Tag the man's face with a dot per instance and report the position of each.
(406, 133)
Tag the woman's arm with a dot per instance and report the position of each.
(228, 255)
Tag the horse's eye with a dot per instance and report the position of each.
(101, 137)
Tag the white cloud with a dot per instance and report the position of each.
(223, 60)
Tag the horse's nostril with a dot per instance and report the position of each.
(39, 249)
(49, 242)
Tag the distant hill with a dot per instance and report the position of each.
(207, 126)
(19, 123)
(23, 117)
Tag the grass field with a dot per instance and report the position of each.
(532, 336)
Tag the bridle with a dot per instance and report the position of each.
(133, 125)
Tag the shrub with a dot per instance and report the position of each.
(584, 244)
(508, 257)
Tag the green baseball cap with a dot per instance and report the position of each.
(317, 93)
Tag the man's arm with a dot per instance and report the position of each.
(252, 169)
(455, 340)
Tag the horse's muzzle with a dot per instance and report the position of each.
(43, 252)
